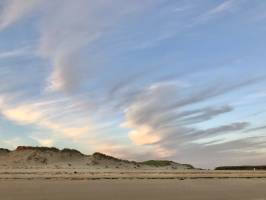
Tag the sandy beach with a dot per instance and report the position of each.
(85, 174)
(41, 184)
(30, 173)
(200, 189)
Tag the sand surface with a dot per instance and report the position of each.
(199, 189)
(84, 174)
(79, 184)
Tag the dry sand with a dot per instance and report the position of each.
(47, 184)
(200, 189)
(85, 174)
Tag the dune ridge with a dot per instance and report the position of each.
(51, 157)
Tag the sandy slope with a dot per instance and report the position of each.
(53, 158)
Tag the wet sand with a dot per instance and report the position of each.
(199, 189)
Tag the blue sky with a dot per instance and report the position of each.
(153, 79)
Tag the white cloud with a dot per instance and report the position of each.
(11, 143)
(223, 7)
(66, 28)
(14, 10)
(44, 141)
(143, 135)
(23, 51)
(69, 28)
(159, 117)
(220, 9)
(61, 117)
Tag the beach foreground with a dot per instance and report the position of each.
(170, 189)
(98, 174)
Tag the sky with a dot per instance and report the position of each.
(143, 79)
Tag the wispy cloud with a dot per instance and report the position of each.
(62, 41)
(19, 52)
(219, 10)
(47, 114)
(259, 128)
(64, 34)
(170, 124)
(109, 76)
(14, 10)
(223, 7)
(11, 143)
(46, 142)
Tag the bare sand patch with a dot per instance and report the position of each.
(200, 189)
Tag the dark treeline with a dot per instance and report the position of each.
(262, 167)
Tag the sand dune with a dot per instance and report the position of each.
(70, 164)
(49, 173)
(43, 157)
